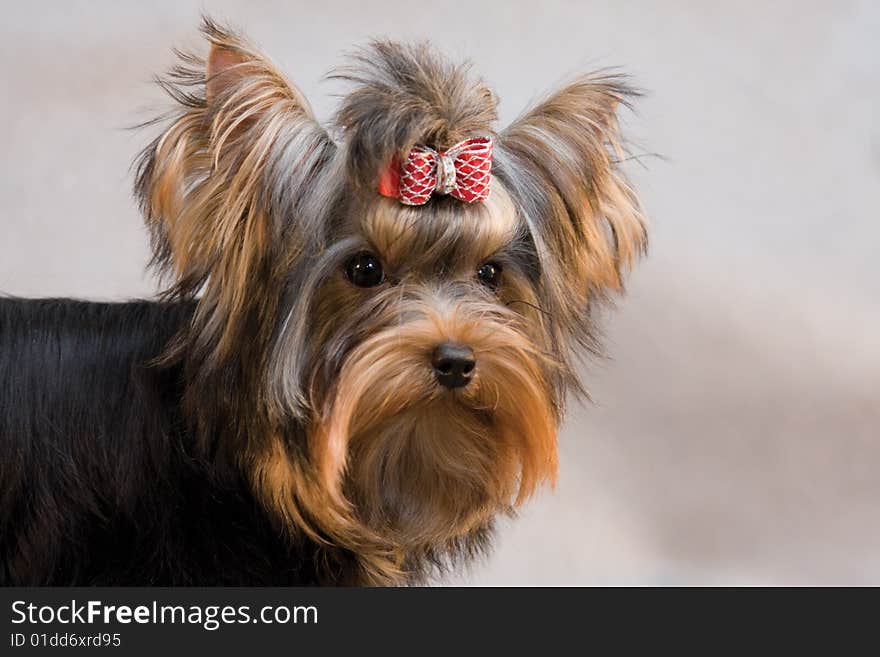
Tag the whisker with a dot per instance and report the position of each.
(530, 305)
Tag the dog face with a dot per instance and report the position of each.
(389, 376)
(433, 389)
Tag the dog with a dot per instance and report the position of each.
(365, 341)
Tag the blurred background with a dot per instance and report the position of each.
(734, 434)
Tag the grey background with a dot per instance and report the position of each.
(735, 432)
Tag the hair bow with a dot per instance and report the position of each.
(463, 171)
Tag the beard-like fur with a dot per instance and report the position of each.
(320, 395)
(424, 465)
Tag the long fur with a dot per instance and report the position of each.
(266, 402)
(101, 483)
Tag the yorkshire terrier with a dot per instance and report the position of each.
(364, 346)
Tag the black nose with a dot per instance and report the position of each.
(453, 364)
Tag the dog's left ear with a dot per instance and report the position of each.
(227, 187)
(560, 161)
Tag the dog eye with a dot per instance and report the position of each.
(489, 274)
(364, 270)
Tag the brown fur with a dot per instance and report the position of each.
(322, 393)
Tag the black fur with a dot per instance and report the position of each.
(201, 439)
(99, 480)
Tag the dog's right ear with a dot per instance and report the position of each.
(225, 66)
(230, 179)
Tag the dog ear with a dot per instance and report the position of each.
(560, 161)
(224, 68)
(229, 179)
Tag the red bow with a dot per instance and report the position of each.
(463, 171)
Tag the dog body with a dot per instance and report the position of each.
(365, 346)
(101, 482)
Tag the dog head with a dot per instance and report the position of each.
(388, 366)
